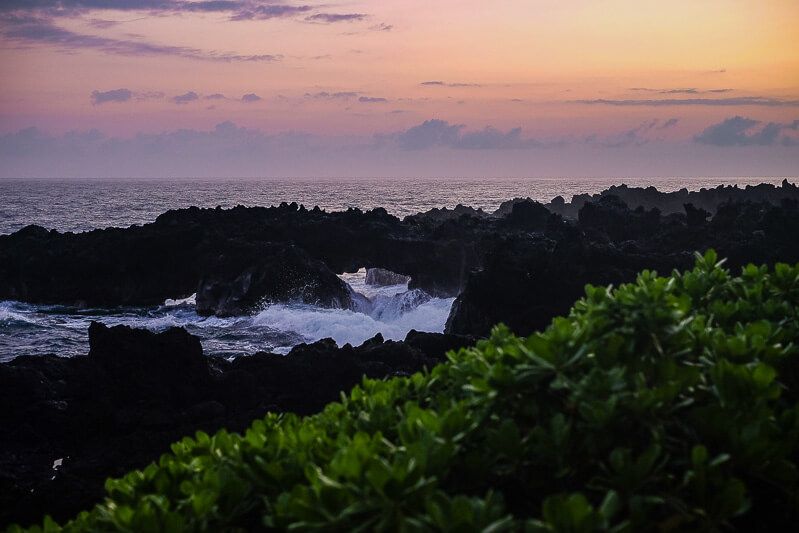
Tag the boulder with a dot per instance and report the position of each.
(244, 277)
(169, 366)
(529, 215)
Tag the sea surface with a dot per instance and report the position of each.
(82, 205)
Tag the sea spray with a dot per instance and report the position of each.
(392, 310)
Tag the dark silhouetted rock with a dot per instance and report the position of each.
(169, 365)
(119, 407)
(525, 282)
(242, 277)
(234, 257)
(695, 216)
(673, 202)
(528, 215)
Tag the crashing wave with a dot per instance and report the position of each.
(391, 310)
(13, 312)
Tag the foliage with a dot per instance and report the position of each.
(665, 404)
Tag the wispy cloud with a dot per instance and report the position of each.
(114, 95)
(439, 83)
(669, 123)
(103, 24)
(250, 98)
(685, 90)
(185, 98)
(269, 11)
(332, 18)
(644, 133)
(735, 101)
(239, 9)
(382, 27)
(372, 100)
(324, 95)
(28, 31)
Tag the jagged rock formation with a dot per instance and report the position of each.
(242, 276)
(527, 281)
(234, 259)
(673, 202)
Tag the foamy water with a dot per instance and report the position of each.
(393, 311)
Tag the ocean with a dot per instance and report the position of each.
(82, 205)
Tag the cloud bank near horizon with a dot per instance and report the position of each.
(434, 147)
(742, 131)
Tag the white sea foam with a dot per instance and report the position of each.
(390, 310)
(346, 326)
(191, 300)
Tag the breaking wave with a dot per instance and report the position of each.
(391, 310)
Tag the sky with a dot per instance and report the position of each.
(395, 88)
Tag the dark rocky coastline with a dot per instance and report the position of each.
(525, 282)
(121, 405)
(236, 258)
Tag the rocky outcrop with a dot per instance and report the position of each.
(235, 259)
(167, 367)
(68, 424)
(242, 276)
(528, 215)
(437, 214)
(528, 281)
(673, 202)
(610, 217)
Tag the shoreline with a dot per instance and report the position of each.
(121, 405)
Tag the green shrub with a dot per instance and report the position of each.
(665, 404)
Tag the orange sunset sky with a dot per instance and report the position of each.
(101, 88)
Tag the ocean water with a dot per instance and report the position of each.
(393, 311)
(27, 329)
(80, 205)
